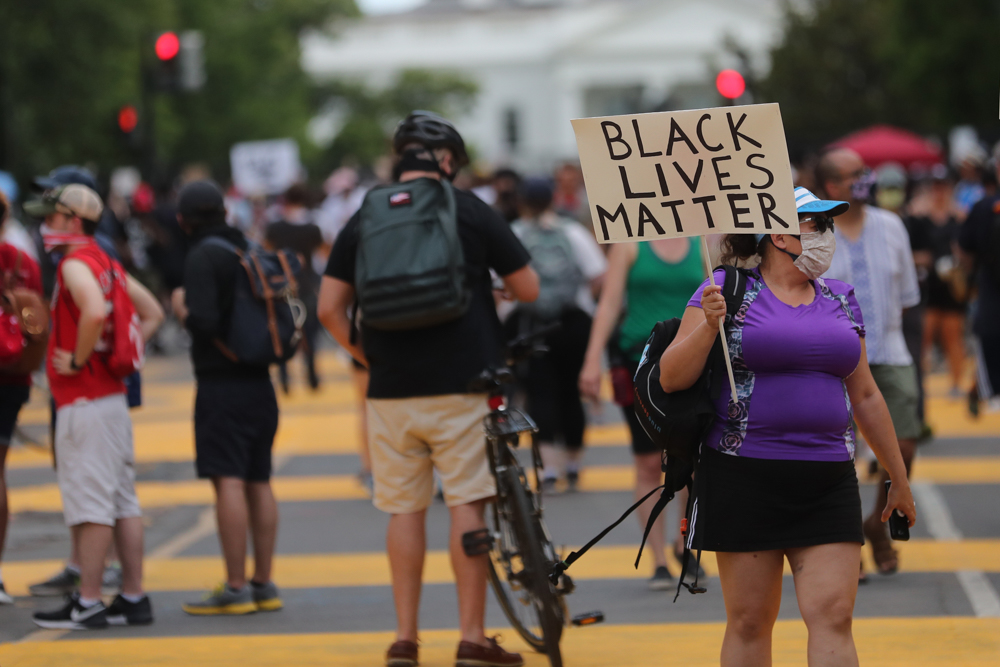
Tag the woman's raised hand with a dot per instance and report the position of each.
(714, 305)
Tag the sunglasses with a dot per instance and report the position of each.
(822, 222)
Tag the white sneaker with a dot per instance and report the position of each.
(5, 598)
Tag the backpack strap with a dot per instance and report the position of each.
(734, 288)
(687, 532)
(220, 242)
(561, 566)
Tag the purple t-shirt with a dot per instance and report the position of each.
(790, 364)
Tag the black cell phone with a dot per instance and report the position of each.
(899, 525)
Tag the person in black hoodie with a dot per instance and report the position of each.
(235, 412)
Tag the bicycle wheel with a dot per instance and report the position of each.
(519, 566)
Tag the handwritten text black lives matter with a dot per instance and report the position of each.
(698, 156)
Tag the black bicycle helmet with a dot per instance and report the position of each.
(431, 130)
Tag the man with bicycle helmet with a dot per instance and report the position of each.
(421, 354)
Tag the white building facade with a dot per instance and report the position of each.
(540, 63)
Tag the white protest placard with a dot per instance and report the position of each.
(265, 167)
(687, 173)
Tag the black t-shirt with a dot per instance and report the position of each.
(210, 292)
(938, 240)
(974, 238)
(441, 359)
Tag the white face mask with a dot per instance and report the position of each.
(817, 253)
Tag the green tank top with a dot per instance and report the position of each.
(657, 290)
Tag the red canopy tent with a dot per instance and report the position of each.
(882, 143)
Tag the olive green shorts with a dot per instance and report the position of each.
(898, 385)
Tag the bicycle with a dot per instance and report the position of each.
(521, 551)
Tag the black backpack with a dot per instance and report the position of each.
(678, 422)
(410, 271)
(265, 325)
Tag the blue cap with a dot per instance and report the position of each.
(64, 175)
(807, 202)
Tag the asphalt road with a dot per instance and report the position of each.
(942, 608)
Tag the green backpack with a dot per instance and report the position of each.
(410, 271)
(553, 259)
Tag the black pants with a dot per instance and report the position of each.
(310, 335)
(989, 385)
(551, 379)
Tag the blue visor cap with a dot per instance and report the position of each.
(807, 202)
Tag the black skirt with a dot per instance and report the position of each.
(745, 504)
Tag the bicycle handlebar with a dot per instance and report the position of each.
(518, 350)
(523, 347)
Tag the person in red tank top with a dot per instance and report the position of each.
(93, 437)
(14, 389)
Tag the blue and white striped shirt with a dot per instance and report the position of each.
(880, 267)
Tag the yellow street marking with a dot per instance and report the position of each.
(372, 568)
(45, 497)
(298, 435)
(936, 469)
(881, 642)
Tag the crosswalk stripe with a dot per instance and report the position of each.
(372, 568)
(46, 498)
(882, 642)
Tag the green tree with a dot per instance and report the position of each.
(66, 67)
(370, 115)
(922, 64)
(944, 64)
(827, 73)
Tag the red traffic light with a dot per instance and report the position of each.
(730, 84)
(128, 119)
(168, 45)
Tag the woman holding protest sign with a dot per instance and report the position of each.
(653, 280)
(776, 477)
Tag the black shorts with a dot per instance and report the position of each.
(746, 504)
(234, 426)
(641, 444)
(12, 397)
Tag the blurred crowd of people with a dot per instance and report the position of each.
(934, 203)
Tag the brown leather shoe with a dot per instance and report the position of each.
(402, 654)
(474, 655)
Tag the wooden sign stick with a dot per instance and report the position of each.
(722, 320)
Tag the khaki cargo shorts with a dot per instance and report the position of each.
(410, 438)
(899, 388)
(95, 461)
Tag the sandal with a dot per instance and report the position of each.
(886, 558)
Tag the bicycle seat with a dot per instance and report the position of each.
(490, 380)
(501, 423)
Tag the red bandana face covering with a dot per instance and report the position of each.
(53, 239)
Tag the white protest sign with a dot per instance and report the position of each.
(265, 167)
(687, 173)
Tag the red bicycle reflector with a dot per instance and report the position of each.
(128, 119)
(730, 84)
(168, 45)
(496, 402)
